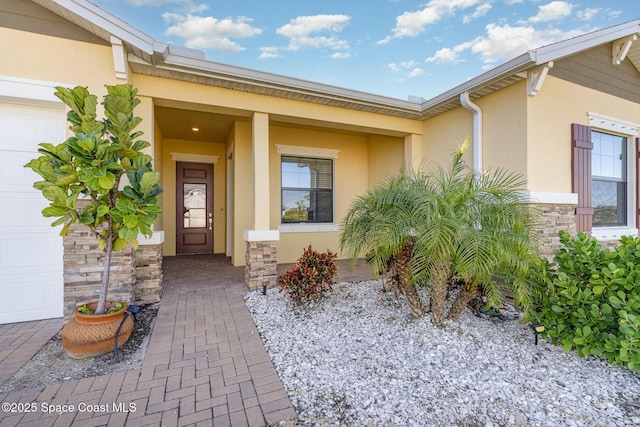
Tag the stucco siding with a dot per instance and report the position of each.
(350, 178)
(551, 113)
(504, 129)
(444, 134)
(594, 69)
(58, 60)
(281, 110)
(385, 158)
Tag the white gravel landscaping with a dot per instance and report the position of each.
(359, 358)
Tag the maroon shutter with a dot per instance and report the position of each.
(581, 168)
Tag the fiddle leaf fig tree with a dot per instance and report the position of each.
(90, 166)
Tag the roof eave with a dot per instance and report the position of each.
(271, 80)
(94, 15)
(512, 67)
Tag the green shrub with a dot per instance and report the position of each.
(591, 301)
(311, 277)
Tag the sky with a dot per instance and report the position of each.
(395, 48)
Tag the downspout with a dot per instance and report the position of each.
(465, 100)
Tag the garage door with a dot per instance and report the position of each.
(31, 265)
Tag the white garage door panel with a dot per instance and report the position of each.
(23, 213)
(31, 251)
(21, 304)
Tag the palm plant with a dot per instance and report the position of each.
(475, 226)
(380, 224)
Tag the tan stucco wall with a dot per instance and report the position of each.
(551, 113)
(503, 137)
(158, 165)
(57, 60)
(169, 186)
(242, 189)
(444, 134)
(280, 110)
(350, 178)
(385, 158)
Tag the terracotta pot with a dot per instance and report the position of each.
(87, 335)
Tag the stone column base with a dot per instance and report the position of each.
(553, 218)
(261, 264)
(135, 278)
(261, 258)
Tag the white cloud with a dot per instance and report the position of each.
(444, 56)
(502, 42)
(269, 52)
(511, 2)
(411, 24)
(393, 67)
(480, 11)
(588, 14)
(341, 55)
(406, 67)
(302, 32)
(207, 32)
(552, 11)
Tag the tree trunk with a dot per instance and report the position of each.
(438, 294)
(106, 271)
(414, 300)
(466, 293)
(402, 268)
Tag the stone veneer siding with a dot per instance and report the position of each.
(261, 264)
(556, 217)
(553, 218)
(136, 276)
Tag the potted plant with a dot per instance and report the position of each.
(89, 167)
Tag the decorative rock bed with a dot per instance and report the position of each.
(359, 358)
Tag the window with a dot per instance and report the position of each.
(307, 190)
(609, 179)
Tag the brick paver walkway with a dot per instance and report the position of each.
(205, 364)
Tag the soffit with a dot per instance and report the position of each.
(149, 57)
(634, 54)
(228, 77)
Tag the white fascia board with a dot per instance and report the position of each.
(514, 66)
(31, 90)
(586, 41)
(536, 57)
(280, 82)
(110, 23)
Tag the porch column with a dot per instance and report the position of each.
(148, 257)
(261, 254)
(412, 151)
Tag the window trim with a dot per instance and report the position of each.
(318, 153)
(626, 178)
(628, 130)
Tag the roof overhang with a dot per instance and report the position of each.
(147, 56)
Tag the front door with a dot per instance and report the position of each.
(194, 204)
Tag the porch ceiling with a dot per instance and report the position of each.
(178, 123)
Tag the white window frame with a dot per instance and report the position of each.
(313, 152)
(605, 124)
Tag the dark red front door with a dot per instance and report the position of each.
(194, 204)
